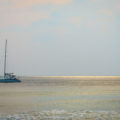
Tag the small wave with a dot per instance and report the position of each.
(64, 115)
(55, 111)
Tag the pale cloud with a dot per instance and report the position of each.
(22, 18)
(96, 0)
(97, 24)
(113, 12)
(108, 12)
(30, 3)
(117, 8)
(108, 7)
(76, 20)
(18, 12)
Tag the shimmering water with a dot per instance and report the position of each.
(45, 95)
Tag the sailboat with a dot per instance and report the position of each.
(8, 77)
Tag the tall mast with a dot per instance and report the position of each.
(5, 58)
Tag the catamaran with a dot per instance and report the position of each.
(8, 77)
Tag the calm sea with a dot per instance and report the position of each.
(67, 93)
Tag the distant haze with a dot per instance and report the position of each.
(61, 37)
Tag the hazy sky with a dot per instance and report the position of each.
(61, 37)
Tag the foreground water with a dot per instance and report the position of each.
(61, 98)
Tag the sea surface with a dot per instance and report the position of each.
(61, 98)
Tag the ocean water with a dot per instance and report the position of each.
(61, 98)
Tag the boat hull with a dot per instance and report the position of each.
(9, 80)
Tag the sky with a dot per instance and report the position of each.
(61, 37)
